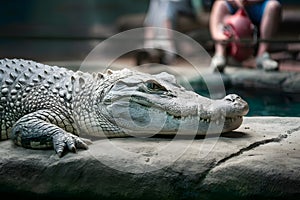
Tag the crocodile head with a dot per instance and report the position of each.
(149, 104)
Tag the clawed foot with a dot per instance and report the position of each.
(67, 141)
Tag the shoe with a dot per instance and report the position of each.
(266, 63)
(218, 63)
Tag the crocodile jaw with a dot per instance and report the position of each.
(151, 104)
(138, 119)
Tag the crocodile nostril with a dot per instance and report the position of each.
(234, 98)
(229, 99)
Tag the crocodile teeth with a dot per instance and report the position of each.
(220, 120)
(205, 120)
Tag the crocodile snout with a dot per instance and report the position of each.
(238, 105)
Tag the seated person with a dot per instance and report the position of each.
(265, 14)
(164, 14)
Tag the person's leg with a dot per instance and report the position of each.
(157, 23)
(268, 27)
(219, 12)
(155, 17)
(157, 29)
(269, 24)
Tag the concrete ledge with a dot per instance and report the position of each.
(256, 79)
(260, 160)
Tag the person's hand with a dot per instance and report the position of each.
(220, 35)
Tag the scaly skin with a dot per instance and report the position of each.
(45, 106)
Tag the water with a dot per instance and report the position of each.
(267, 103)
(270, 103)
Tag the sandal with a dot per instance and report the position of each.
(218, 63)
(266, 63)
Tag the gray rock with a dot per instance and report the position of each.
(244, 78)
(261, 159)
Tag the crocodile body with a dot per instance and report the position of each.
(44, 106)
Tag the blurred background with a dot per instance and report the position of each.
(64, 32)
(69, 29)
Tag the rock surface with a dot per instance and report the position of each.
(287, 82)
(260, 160)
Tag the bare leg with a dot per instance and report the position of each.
(268, 27)
(218, 14)
(269, 24)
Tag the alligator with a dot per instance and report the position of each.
(51, 107)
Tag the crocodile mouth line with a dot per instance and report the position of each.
(218, 121)
(209, 120)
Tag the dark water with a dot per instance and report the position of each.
(267, 102)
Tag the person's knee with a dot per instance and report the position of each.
(220, 3)
(274, 6)
(220, 7)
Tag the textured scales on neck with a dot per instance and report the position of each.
(40, 104)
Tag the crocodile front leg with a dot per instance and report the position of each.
(36, 131)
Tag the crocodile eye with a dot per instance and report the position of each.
(154, 86)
